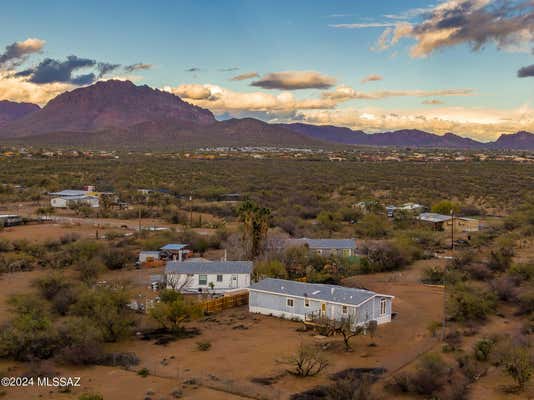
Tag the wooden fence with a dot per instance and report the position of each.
(222, 303)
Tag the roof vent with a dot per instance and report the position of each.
(332, 291)
(316, 292)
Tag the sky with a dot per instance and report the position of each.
(463, 66)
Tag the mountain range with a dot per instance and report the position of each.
(119, 113)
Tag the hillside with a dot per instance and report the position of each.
(11, 111)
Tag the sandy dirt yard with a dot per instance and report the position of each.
(246, 346)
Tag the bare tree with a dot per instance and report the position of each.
(347, 328)
(307, 361)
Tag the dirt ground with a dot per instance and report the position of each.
(246, 346)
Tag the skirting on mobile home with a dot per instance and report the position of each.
(303, 301)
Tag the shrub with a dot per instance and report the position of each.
(482, 349)
(373, 226)
(433, 276)
(271, 269)
(144, 372)
(115, 258)
(203, 346)
(90, 396)
(382, 257)
(505, 288)
(524, 272)
(518, 364)
(307, 361)
(466, 303)
(526, 300)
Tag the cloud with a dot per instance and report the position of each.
(50, 71)
(192, 69)
(248, 75)
(105, 68)
(372, 78)
(363, 25)
(16, 53)
(137, 67)
(19, 89)
(526, 71)
(230, 69)
(346, 93)
(432, 102)
(509, 25)
(221, 100)
(482, 124)
(409, 14)
(294, 80)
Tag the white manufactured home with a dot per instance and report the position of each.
(305, 301)
(208, 276)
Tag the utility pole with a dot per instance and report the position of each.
(139, 219)
(452, 229)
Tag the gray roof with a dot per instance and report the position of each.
(434, 217)
(316, 291)
(69, 192)
(174, 246)
(209, 267)
(324, 243)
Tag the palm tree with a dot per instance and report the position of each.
(255, 221)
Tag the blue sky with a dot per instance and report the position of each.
(278, 36)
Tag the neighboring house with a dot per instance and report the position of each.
(306, 301)
(410, 208)
(10, 220)
(69, 201)
(174, 252)
(442, 222)
(326, 247)
(210, 276)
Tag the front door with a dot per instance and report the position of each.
(233, 282)
(323, 309)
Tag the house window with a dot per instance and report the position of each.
(345, 309)
(202, 280)
(219, 278)
(290, 302)
(383, 306)
(306, 302)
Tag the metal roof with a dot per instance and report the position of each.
(324, 243)
(315, 291)
(80, 197)
(69, 192)
(209, 267)
(173, 246)
(434, 217)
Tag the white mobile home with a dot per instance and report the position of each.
(208, 276)
(305, 301)
(10, 220)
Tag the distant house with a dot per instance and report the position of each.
(208, 276)
(174, 251)
(69, 201)
(326, 247)
(68, 198)
(10, 220)
(442, 222)
(411, 208)
(306, 301)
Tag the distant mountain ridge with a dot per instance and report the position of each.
(119, 113)
(11, 111)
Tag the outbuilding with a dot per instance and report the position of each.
(310, 301)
